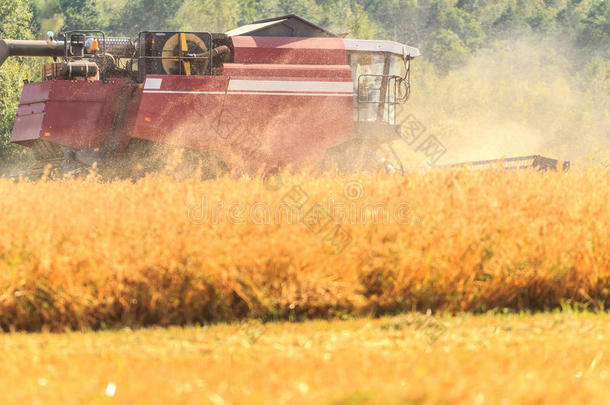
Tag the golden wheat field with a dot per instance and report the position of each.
(80, 254)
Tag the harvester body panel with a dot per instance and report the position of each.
(289, 50)
(252, 116)
(75, 114)
(179, 110)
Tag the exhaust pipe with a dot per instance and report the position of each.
(51, 43)
(10, 47)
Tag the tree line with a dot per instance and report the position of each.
(448, 31)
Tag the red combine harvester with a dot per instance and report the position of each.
(276, 93)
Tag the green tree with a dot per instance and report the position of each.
(308, 9)
(207, 15)
(510, 21)
(359, 24)
(463, 24)
(47, 16)
(81, 14)
(596, 31)
(345, 17)
(15, 20)
(254, 10)
(144, 15)
(447, 50)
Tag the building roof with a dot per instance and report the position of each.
(287, 25)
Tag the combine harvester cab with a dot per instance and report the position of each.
(277, 93)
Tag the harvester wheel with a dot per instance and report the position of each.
(205, 166)
(360, 156)
(144, 157)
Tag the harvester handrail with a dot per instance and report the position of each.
(388, 101)
(66, 34)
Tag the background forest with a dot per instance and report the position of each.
(496, 77)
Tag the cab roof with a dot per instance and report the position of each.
(292, 25)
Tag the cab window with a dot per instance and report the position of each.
(373, 92)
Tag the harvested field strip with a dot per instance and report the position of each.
(516, 359)
(86, 254)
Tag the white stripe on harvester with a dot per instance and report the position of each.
(183, 92)
(266, 88)
(291, 86)
(254, 93)
(277, 93)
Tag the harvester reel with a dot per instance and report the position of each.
(183, 44)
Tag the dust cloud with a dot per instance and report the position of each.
(520, 97)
